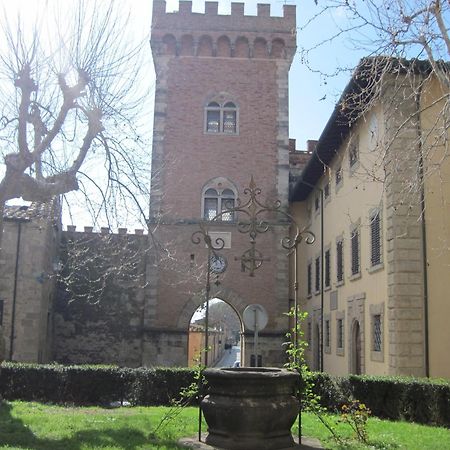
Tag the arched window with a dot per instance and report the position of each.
(221, 118)
(217, 200)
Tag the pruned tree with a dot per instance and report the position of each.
(70, 107)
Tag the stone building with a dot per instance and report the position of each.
(221, 117)
(373, 189)
(28, 263)
(376, 195)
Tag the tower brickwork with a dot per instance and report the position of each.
(221, 117)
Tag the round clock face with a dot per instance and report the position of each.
(218, 263)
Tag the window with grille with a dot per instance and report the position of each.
(340, 333)
(327, 334)
(309, 333)
(377, 336)
(1, 312)
(338, 176)
(216, 201)
(375, 239)
(354, 240)
(309, 279)
(353, 154)
(317, 279)
(327, 279)
(221, 118)
(340, 261)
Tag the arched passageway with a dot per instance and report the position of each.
(223, 345)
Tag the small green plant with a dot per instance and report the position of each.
(187, 396)
(295, 350)
(356, 414)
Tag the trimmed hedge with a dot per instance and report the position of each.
(92, 385)
(399, 398)
(419, 400)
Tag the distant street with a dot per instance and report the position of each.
(229, 357)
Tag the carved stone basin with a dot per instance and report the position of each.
(250, 408)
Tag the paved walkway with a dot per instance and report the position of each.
(229, 357)
(307, 444)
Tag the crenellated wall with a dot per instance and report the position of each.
(186, 33)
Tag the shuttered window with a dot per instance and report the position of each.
(327, 334)
(375, 239)
(354, 239)
(327, 279)
(340, 333)
(309, 279)
(317, 274)
(340, 261)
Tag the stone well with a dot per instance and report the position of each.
(250, 408)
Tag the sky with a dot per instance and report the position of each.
(312, 96)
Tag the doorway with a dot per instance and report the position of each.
(356, 348)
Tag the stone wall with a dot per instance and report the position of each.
(100, 306)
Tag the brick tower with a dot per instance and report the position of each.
(221, 116)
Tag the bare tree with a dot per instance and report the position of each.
(71, 95)
(407, 48)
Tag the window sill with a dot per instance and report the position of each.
(340, 352)
(355, 276)
(309, 296)
(317, 293)
(376, 268)
(327, 349)
(339, 283)
(211, 133)
(338, 187)
(327, 288)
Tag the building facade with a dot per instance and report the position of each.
(375, 193)
(221, 117)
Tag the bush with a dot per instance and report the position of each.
(91, 385)
(413, 399)
(397, 398)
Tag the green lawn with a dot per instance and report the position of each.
(37, 426)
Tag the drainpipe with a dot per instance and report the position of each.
(424, 236)
(16, 273)
(321, 271)
(322, 284)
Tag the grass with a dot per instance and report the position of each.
(37, 426)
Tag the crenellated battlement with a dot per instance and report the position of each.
(104, 230)
(187, 33)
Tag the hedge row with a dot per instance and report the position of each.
(398, 398)
(418, 400)
(92, 385)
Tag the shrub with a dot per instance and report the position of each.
(419, 400)
(413, 399)
(91, 385)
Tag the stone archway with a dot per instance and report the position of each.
(195, 337)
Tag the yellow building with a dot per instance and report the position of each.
(375, 193)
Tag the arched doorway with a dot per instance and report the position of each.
(225, 331)
(356, 348)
